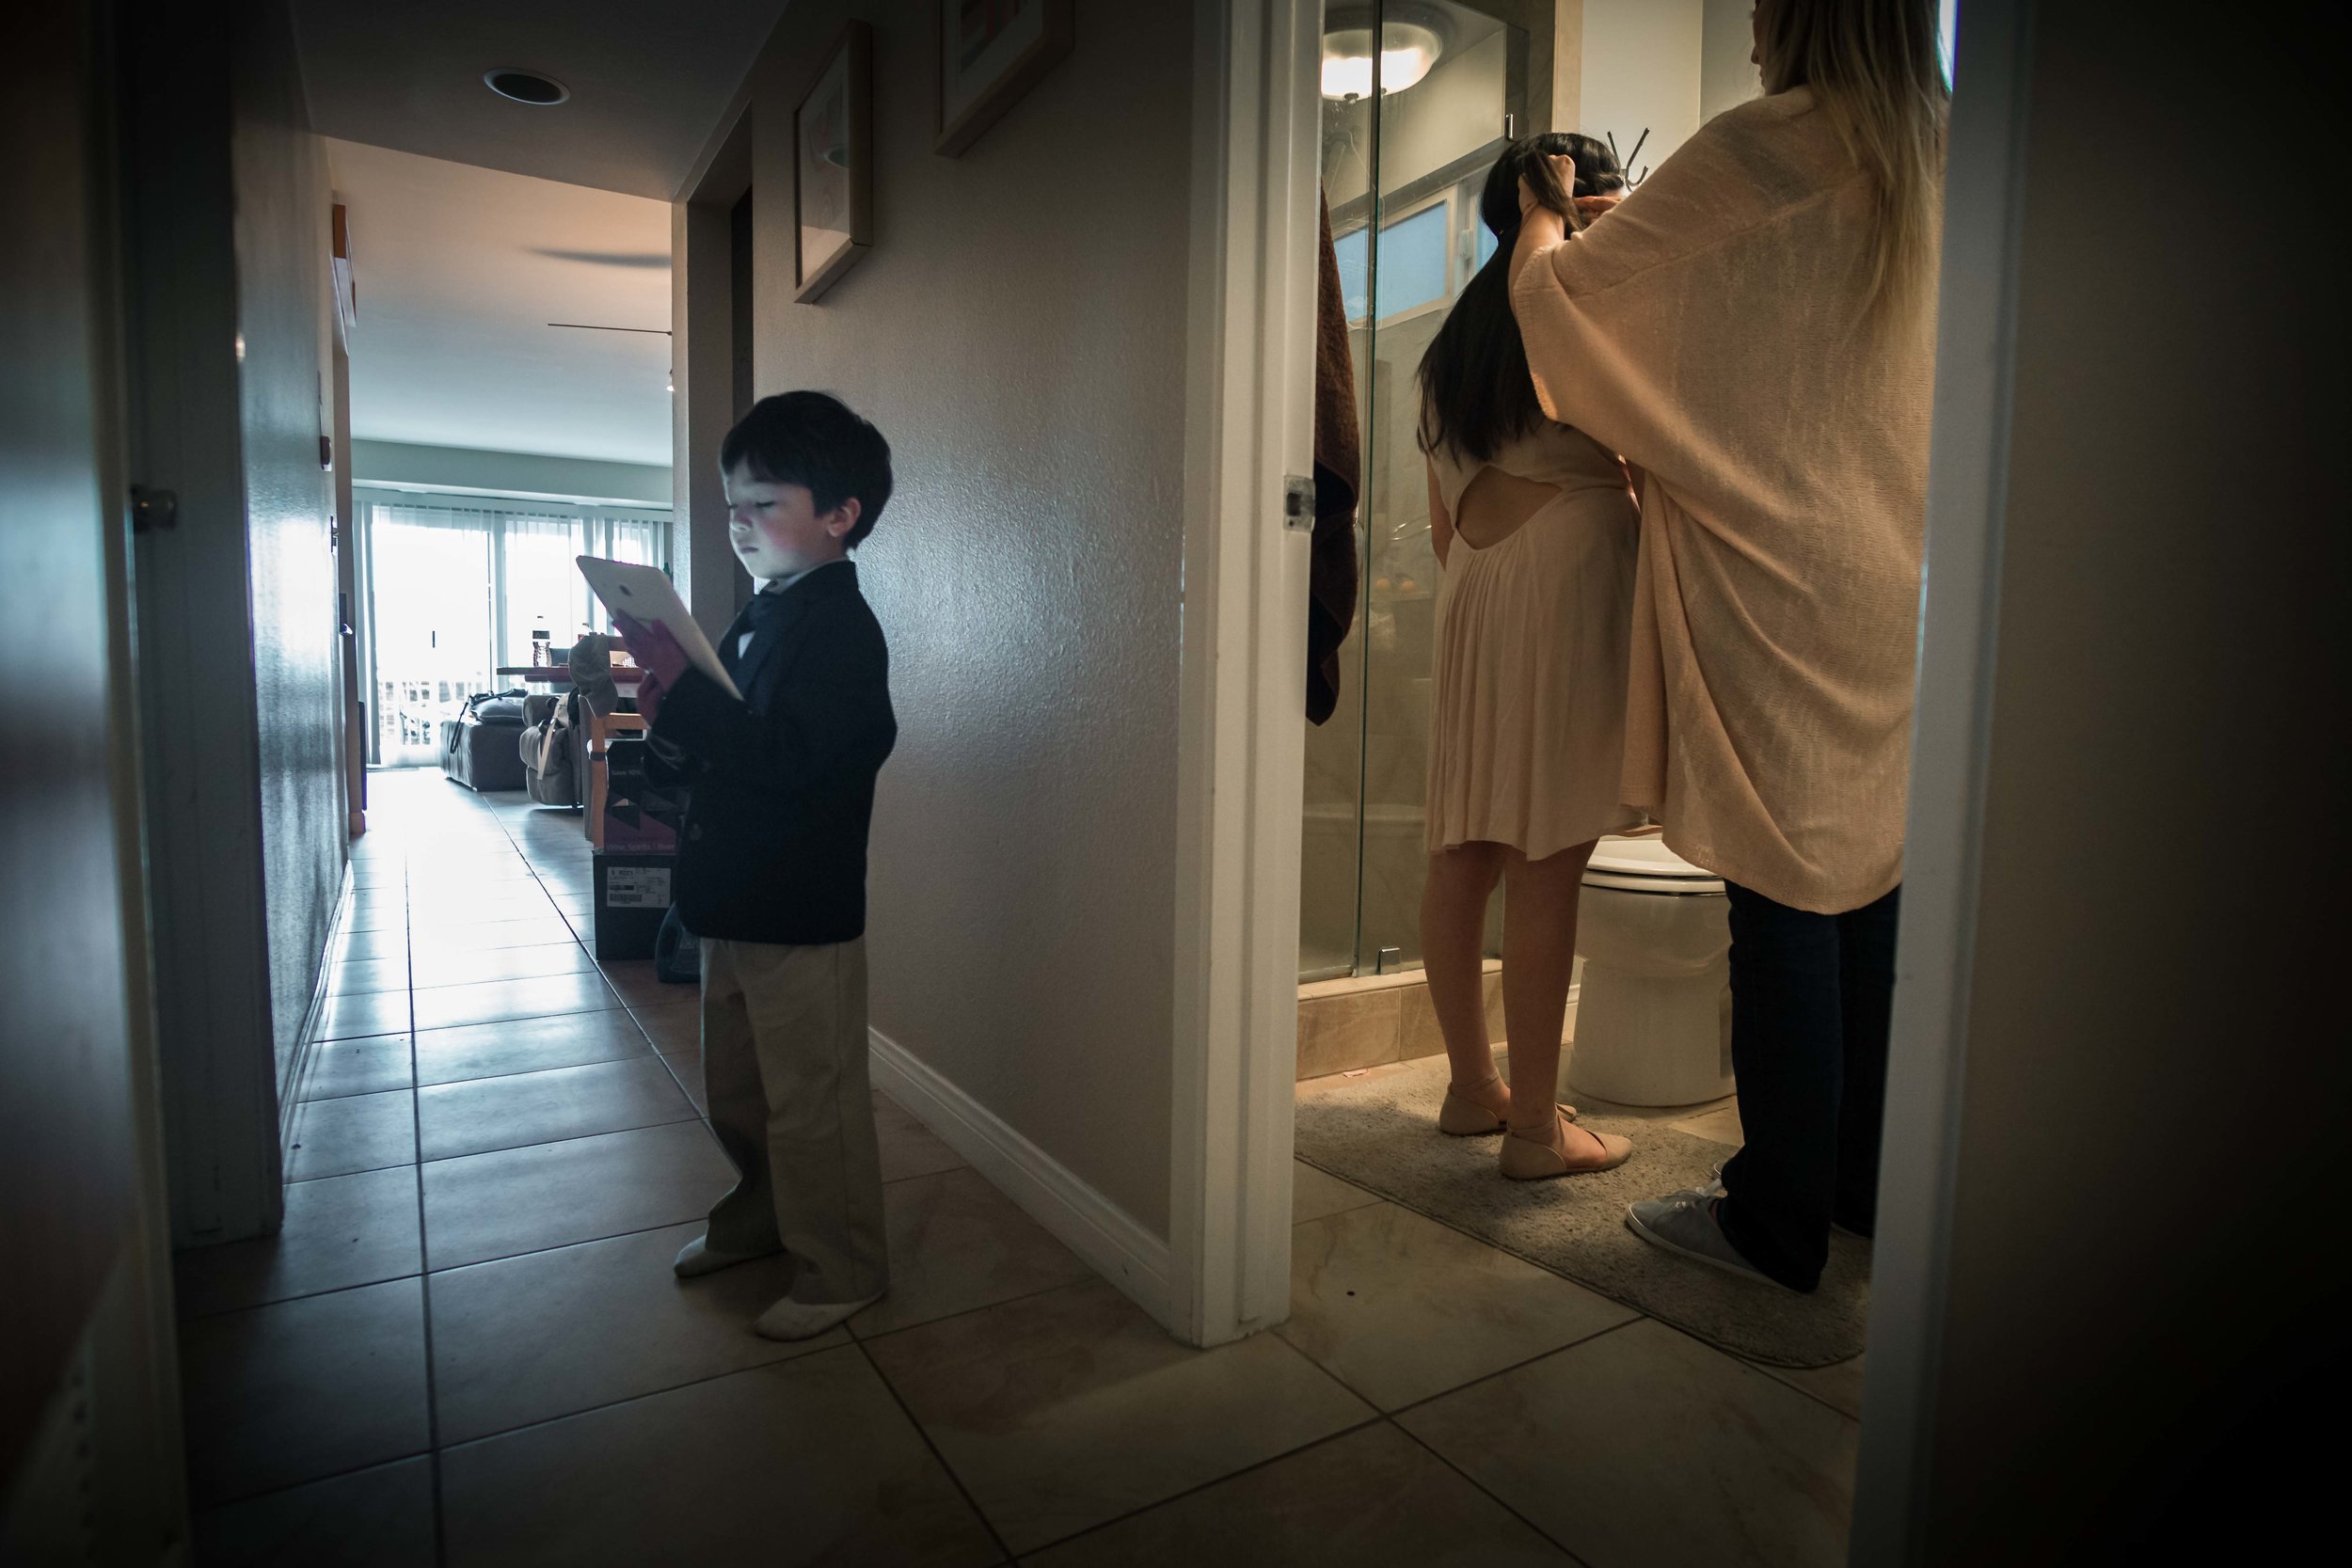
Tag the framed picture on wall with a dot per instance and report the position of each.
(991, 52)
(833, 165)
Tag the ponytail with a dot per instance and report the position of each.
(1476, 391)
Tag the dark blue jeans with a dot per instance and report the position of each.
(1810, 999)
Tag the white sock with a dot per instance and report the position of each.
(698, 1256)
(799, 1320)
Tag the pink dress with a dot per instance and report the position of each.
(1528, 685)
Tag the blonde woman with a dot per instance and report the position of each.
(1754, 331)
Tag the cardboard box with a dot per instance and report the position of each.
(636, 815)
(634, 889)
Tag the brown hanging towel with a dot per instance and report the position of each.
(1331, 574)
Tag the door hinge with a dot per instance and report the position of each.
(1299, 503)
(152, 508)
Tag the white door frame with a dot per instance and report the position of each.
(1241, 754)
(1968, 502)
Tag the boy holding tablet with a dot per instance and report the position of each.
(771, 864)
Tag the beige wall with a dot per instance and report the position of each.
(1670, 65)
(1641, 69)
(1727, 77)
(226, 254)
(1018, 333)
(285, 332)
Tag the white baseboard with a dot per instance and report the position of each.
(313, 1019)
(1091, 1224)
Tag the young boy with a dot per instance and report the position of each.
(771, 864)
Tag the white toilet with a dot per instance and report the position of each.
(1653, 1023)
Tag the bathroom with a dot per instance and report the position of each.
(1410, 128)
(1406, 159)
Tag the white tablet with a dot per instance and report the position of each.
(646, 593)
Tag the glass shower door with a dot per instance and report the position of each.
(1408, 137)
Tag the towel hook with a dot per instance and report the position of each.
(1625, 160)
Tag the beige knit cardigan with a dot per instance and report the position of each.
(1713, 330)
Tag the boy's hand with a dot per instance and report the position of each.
(649, 693)
(655, 651)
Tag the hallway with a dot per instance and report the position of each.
(468, 1346)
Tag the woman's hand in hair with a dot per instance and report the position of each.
(1547, 183)
(1542, 225)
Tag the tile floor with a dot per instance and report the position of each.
(466, 1346)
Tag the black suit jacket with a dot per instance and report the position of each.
(775, 844)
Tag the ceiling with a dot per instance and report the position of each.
(648, 82)
(460, 269)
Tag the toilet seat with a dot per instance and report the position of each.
(1645, 864)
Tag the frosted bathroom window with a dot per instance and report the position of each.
(1412, 264)
(1355, 254)
(1412, 261)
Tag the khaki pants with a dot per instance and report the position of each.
(783, 1061)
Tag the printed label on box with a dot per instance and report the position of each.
(637, 887)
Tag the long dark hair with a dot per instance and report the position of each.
(1476, 392)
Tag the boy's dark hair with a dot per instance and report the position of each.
(813, 439)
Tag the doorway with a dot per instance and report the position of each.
(714, 312)
(1404, 256)
(1408, 134)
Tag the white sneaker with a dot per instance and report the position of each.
(800, 1320)
(698, 1256)
(1684, 1224)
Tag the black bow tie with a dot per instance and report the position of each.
(764, 611)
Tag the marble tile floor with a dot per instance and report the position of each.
(466, 1348)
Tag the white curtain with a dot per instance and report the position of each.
(636, 539)
(452, 592)
(429, 634)
(639, 540)
(542, 588)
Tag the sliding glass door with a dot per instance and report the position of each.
(453, 592)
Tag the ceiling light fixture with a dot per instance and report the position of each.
(1407, 50)
(525, 86)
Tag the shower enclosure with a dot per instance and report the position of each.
(1411, 127)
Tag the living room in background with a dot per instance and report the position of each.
(454, 589)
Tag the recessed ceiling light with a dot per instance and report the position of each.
(525, 86)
